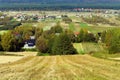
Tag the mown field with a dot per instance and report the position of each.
(76, 67)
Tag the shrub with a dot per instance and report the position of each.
(42, 54)
(67, 20)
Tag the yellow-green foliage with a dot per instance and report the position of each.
(112, 40)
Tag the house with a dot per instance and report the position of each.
(76, 34)
(51, 17)
(30, 44)
(2, 17)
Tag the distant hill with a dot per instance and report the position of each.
(58, 4)
(61, 1)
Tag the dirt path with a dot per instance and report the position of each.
(77, 67)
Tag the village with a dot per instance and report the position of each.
(42, 15)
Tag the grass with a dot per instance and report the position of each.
(84, 25)
(42, 54)
(79, 48)
(72, 26)
(92, 47)
(106, 55)
(88, 47)
(94, 28)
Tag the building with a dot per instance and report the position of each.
(30, 44)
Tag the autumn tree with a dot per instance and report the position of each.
(11, 42)
(6, 41)
(38, 32)
(0, 44)
(42, 45)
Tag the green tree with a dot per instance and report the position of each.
(11, 42)
(114, 42)
(6, 41)
(81, 35)
(50, 43)
(62, 45)
(103, 36)
(114, 45)
(71, 36)
(38, 32)
(90, 37)
(57, 28)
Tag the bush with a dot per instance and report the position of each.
(67, 20)
(42, 54)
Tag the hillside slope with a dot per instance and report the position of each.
(75, 67)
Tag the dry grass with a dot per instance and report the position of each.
(77, 67)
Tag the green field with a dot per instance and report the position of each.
(88, 47)
(72, 26)
(79, 48)
(84, 25)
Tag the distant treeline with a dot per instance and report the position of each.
(10, 25)
(35, 6)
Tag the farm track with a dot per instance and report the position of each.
(77, 67)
